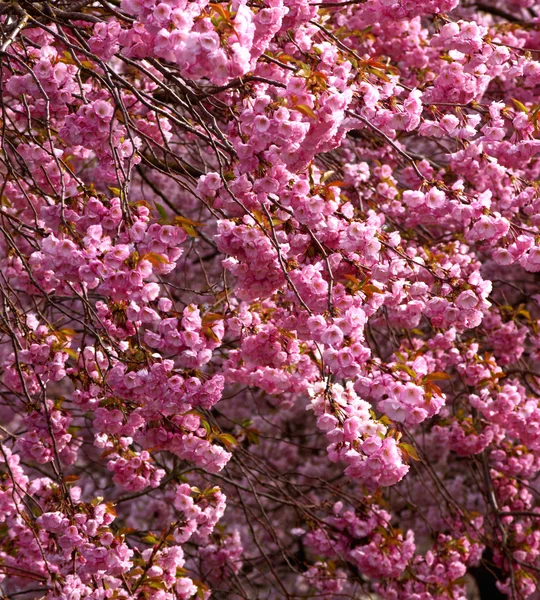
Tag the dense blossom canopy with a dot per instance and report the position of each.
(269, 301)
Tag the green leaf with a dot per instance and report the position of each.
(306, 110)
(190, 230)
(326, 176)
(520, 106)
(157, 585)
(150, 539)
(227, 439)
(409, 451)
(437, 375)
(156, 259)
(161, 210)
(72, 353)
(406, 369)
(209, 332)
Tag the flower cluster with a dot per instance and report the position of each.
(214, 216)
